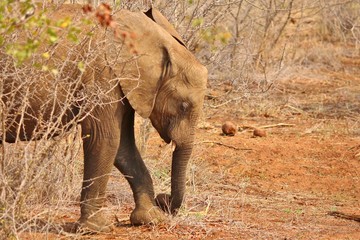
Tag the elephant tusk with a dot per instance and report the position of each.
(173, 145)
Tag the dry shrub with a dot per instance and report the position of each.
(38, 180)
(42, 175)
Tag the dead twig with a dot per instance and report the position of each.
(224, 103)
(266, 126)
(278, 125)
(226, 145)
(345, 216)
(298, 110)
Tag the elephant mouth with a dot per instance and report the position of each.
(165, 137)
(165, 132)
(164, 127)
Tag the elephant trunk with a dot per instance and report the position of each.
(180, 159)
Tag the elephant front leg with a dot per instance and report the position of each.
(136, 173)
(99, 155)
(131, 165)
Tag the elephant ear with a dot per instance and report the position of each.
(144, 73)
(142, 92)
(157, 17)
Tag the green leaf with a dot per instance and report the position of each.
(73, 34)
(52, 35)
(54, 71)
(224, 37)
(86, 21)
(197, 22)
(64, 23)
(46, 55)
(81, 66)
(45, 68)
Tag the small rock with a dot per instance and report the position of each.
(229, 128)
(259, 132)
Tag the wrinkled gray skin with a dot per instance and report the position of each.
(169, 91)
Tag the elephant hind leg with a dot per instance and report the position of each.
(99, 154)
(92, 218)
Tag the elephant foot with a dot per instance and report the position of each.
(95, 223)
(142, 216)
(90, 227)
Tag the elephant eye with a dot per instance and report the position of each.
(184, 106)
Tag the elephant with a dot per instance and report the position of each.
(159, 79)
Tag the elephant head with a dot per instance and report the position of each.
(169, 88)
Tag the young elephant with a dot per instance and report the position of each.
(143, 66)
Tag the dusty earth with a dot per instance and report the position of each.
(301, 181)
